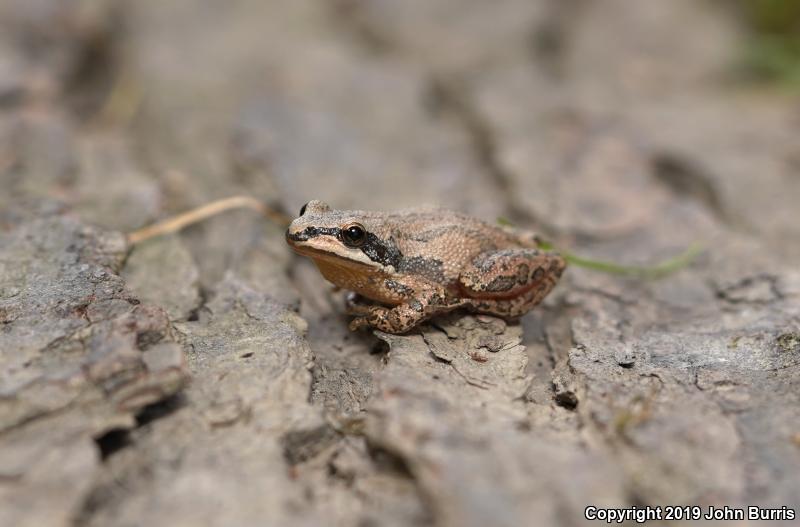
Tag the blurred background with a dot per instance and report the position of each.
(583, 118)
(624, 130)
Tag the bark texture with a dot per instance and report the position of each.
(208, 378)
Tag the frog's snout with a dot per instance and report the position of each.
(294, 235)
(299, 234)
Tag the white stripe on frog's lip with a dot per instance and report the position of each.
(343, 257)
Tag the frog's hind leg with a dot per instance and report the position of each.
(510, 282)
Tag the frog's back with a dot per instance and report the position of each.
(438, 243)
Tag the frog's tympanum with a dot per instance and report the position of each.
(408, 266)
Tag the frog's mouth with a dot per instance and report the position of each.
(327, 248)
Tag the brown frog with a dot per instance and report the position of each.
(418, 263)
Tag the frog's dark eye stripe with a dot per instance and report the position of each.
(353, 235)
(303, 209)
(384, 252)
(312, 232)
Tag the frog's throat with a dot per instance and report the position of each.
(359, 279)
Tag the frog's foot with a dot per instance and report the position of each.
(403, 317)
(510, 283)
(398, 319)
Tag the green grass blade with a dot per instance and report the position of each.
(650, 272)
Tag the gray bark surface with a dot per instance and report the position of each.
(208, 378)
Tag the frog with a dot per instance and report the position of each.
(408, 266)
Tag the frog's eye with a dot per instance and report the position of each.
(303, 209)
(353, 235)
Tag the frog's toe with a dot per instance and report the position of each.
(358, 323)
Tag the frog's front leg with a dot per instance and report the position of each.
(426, 302)
(510, 282)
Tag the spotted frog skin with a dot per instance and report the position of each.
(408, 266)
